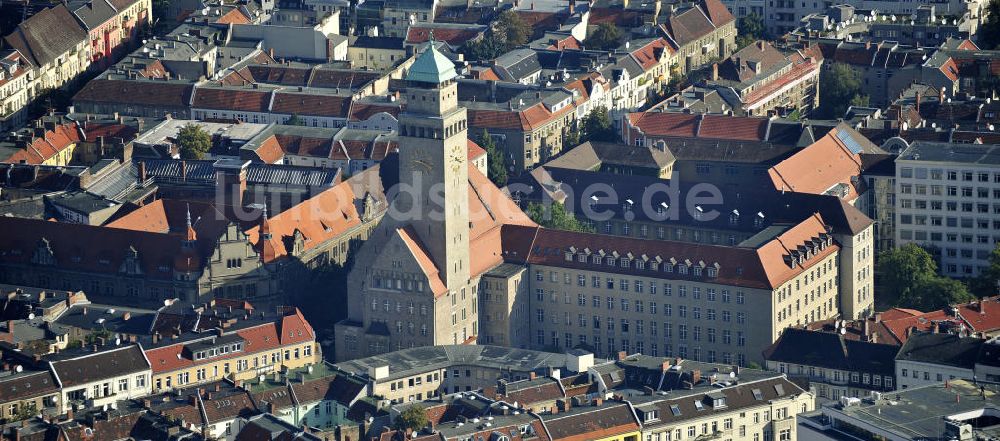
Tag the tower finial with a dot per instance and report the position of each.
(191, 236)
(430, 37)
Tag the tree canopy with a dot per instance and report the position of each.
(750, 29)
(606, 37)
(838, 88)
(908, 279)
(597, 126)
(413, 418)
(507, 32)
(988, 282)
(194, 141)
(555, 216)
(496, 162)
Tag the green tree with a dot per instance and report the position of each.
(413, 418)
(837, 87)
(497, 164)
(555, 216)
(597, 126)
(989, 31)
(606, 37)
(935, 293)
(507, 32)
(194, 141)
(988, 282)
(510, 28)
(750, 29)
(900, 270)
(860, 100)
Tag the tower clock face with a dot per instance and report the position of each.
(422, 162)
(456, 162)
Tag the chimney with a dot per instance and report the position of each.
(142, 171)
(563, 404)
(918, 101)
(622, 355)
(936, 327)
(126, 316)
(941, 96)
(866, 328)
(598, 402)
(193, 399)
(695, 376)
(715, 71)
(665, 366)
(184, 171)
(532, 376)
(10, 327)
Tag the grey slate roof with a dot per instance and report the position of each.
(833, 351)
(942, 349)
(47, 35)
(93, 13)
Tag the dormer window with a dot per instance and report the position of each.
(624, 262)
(582, 258)
(697, 270)
(610, 261)
(597, 259)
(682, 269)
(713, 272)
(667, 267)
(640, 265)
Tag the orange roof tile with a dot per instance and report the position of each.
(49, 145)
(321, 218)
(819, 167)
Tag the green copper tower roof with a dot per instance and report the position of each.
(431, 67)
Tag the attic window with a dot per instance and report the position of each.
(699, 405)
(713, 272)
(780, 389)
(675, 409)
(582, 258)
(696, 270)
(682, 269)
(757, 395)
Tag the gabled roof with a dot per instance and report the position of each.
(831, 164)
(51, 143)
(832, 351)
(323, 217)
(81, 367)
(47, 35)
(148, 93)
(588, 423)
(93, 13)
(694, 22)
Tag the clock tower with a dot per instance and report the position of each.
(433, 165)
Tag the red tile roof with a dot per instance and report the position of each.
(288, 330)
(49, 145)
(150, 93)
(765, 267)
(454, 37)
(313, 105)
(89, 248)
(324, 217)
(669, 124)
(475, 151)
(819, 167)
(240, 100)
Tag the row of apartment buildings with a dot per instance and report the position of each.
(57, 45)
